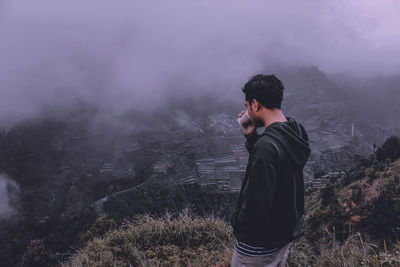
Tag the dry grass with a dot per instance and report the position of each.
(354, 251)
(172, 240)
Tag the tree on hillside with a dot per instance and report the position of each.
(390, 150)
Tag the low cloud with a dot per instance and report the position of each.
(122, 55)
(9, 197)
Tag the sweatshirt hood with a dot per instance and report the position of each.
(293, 138)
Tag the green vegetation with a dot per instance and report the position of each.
(102, 225)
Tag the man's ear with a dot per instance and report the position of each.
(256, 105)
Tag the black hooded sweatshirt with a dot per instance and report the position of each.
(270, 210)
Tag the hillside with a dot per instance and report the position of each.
(352, 220)
(60, 173)
(366, 199)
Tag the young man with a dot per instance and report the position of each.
(270, 211)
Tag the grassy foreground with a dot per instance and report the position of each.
(181, 239)
(184, 239)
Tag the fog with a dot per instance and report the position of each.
(121, 55)
(9, 197)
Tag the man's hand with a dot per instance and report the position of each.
(250, 128)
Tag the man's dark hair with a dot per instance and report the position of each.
(266, 89)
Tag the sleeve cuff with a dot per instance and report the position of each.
(251, 135)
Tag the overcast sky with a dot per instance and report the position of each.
(122, 54)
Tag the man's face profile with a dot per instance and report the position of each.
(258, 122)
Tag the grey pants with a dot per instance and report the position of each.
(278, 259)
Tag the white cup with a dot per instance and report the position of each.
(245, 120)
